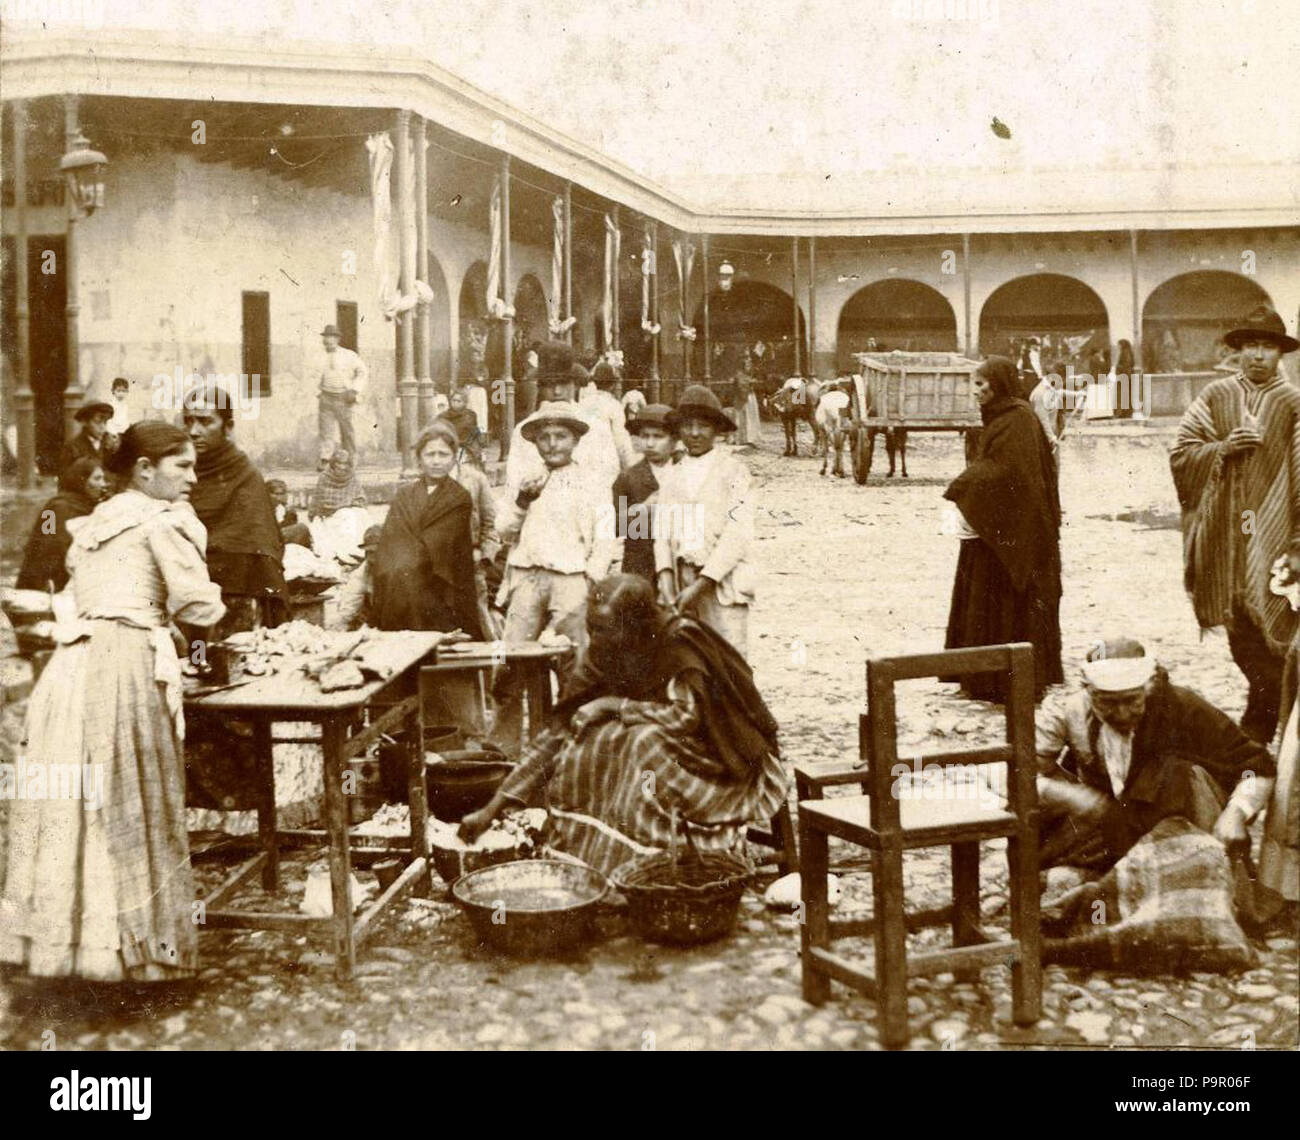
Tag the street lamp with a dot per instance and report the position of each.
(726, 273)
(84, 169)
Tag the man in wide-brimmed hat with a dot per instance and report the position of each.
(705, 522)
(340, 378)
(1233, 464)
(560, 543)
(91, 442)
(1129, 749)
(559, 376)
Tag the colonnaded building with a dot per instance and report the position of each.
(250, 193)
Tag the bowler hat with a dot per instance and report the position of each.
(1262, 323)
(559, 412)
(651, 415)
(555, 363)
(700, 401)
(330, 330)
(83, 413)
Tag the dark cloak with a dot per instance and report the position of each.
(1008, 582)
(424, 565)
(46, 554)
(735, 724)
(245, 548)
(635, 485)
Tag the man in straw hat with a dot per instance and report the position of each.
(92, 441)
(559, 376)
(340, 378)
(1234, 465)
(560, 543)
(1129, 749)
(705, 523)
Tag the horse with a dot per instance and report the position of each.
(797, 400)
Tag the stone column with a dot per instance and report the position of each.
(408, 388)
(424, 320)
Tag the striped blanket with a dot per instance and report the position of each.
(1239, 513)
(1166, 906)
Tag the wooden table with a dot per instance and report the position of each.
(532, 659)
(391, 706)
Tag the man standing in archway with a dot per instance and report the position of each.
(340, 377)
(1234, 465)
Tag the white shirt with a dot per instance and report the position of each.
(121, 419)
(339, 371)
(705, 518)
(568, 528)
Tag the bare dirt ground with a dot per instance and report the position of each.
(845, 572)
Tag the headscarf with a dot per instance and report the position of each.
(1004, 378)
(335, 490)
(73, 479)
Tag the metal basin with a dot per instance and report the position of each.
(532, 906)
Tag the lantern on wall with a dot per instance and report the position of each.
(726, 274)
(84, 169)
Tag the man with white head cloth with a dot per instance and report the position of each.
(1129, 749)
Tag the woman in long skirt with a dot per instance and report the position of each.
(1008, 583)
(98, 883)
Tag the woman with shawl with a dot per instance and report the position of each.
(661, 726)
(81, 486)
(337, 487)
(1008, 583)
(424, 563)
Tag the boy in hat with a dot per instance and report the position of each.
(635, 488)
(91, 442)
(1233, 465)
(1129, 749)
(559, 376)
(559, 546)
(705, 523)
(340, 378)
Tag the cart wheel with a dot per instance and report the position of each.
(863, 445)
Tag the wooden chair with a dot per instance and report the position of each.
(780, 836)
(887, 825)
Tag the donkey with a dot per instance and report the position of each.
(797, 400)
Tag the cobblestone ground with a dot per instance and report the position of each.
(845, 571)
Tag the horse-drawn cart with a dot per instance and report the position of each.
(906, 392)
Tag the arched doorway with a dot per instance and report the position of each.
(741, 317)
(1184, 318)
(895, 313)
(532, 321)
(481, 355)
(1065, 314)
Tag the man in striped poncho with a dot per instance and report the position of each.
(1236, 465)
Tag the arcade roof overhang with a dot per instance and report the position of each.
(248, 71)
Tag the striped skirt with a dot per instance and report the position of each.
(613, 792)
(98, 882)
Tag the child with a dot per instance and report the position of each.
(705, 523)
(558, 547)
(635, 488)
(462, 418)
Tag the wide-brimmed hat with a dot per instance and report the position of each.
(331, 330)
(651, 415)
(700, 401)
(560, 412)
(88, 409)
(1262, 323)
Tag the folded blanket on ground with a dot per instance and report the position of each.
(1166, 906)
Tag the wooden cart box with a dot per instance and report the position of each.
(919, 391)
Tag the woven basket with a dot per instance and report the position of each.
(683, 902)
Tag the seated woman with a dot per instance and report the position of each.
(662, 720)
(337, 487)
(465, 423)
(81, 486)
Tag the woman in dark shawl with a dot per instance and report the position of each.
(81, 487)
(661, 723)
(1008, 584)
(424, 563)
(245, 547)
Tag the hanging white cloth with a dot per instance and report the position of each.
(684, 258)
(496, 305)
(555, 302)
(613, 243)
(380, 150)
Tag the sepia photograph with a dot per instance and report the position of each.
(677, 526)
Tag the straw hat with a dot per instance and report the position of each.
(561, 412)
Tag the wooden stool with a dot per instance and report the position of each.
(779, 835)
(888, 827)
